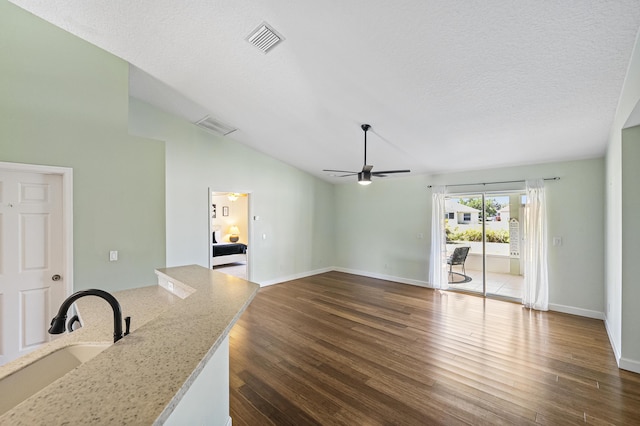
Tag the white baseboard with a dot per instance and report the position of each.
(418, 283)
(229, 422)
(616, 351)
(576, 311)
(294, 277)
(623, 363)
(629, 364)
(553, 307)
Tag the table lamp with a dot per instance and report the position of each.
(234, 231)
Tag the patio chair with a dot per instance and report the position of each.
(458, 257)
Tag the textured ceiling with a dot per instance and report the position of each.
(446, 85)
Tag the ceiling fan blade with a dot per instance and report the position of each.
(339, 171)
(350, 174)
(367, 168)
(386, 172)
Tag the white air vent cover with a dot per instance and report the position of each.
(264, 37)
(216, 126)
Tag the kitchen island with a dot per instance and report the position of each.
(176, 355)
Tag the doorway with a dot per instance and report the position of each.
(35, 253)
(229, 233)
(483, 240)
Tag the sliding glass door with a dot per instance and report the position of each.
(465, 242)
(483, 239)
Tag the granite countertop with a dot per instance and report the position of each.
(141, 378)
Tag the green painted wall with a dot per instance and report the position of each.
(295, 210)
(378, 227)
(64, 102)
(630, 249)
(622, 314)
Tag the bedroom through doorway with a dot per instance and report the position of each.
(229, 233)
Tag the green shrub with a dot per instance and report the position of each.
(493, 235)
(498, 236)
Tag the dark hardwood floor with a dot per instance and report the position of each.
(340, 349)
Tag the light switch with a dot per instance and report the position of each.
(113, 255)
(264, 236)
(557, 241)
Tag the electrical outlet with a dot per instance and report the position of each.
(420, 235)
(113, 255)
(170, 286)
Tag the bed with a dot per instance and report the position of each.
(223, 253)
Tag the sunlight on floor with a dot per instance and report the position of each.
(504, 285)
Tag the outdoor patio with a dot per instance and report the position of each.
(502, 285)
(465, 228)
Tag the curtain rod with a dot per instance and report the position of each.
(492, 183)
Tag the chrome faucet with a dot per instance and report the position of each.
(58, 322)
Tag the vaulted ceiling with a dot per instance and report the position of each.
(446, 85)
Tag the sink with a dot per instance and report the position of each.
(33, 377)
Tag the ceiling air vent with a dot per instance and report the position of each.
(215, 126)
(264, 37)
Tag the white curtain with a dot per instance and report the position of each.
(536, 281)
(438, 262)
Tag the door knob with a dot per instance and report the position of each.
(56, 277)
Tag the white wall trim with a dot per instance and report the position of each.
(229, 422)
(418, 283)
(552, 306)
(629, 364)
(616, 351)
(67, 210)
(623, 363)
(576, 311)
(294, 277)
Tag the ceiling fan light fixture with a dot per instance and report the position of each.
(364, 178)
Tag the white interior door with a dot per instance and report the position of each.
(31, 259)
